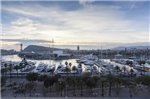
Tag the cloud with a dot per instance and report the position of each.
(94, 23)
(25, 40)
(86, 2)
(19, 10)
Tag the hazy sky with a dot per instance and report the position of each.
(74, 22)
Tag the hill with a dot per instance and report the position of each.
(130, 47)
(35, 48)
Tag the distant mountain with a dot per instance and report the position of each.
(120, 46)
(130, 47)
(35, 48)
(138, 45)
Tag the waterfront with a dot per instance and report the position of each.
(16, 58)
(87, 62)
(89, 82)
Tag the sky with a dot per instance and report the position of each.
(74, 22)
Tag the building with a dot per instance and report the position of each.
(60, 54)
(118, 56)
(21, 45)
(78, 48)
(147, 67)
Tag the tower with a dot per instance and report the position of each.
(21, 47)
(78, 48)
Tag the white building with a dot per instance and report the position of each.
(118, 56)
(59, 53)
